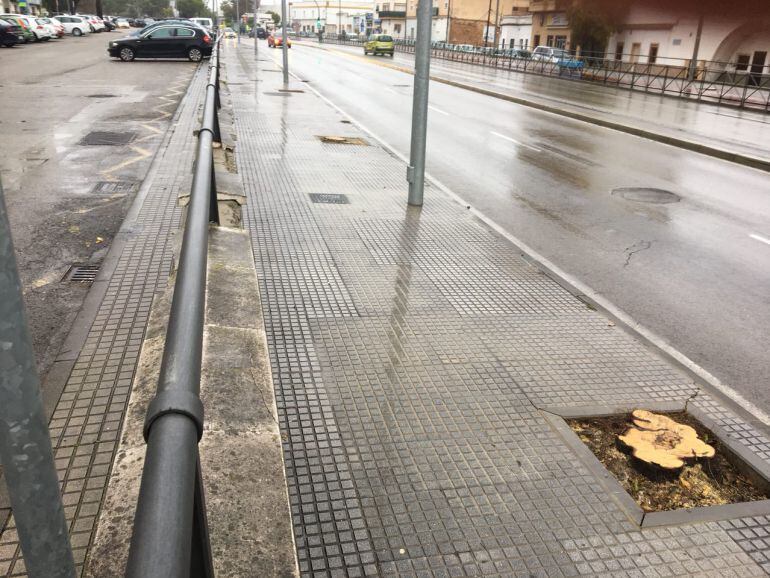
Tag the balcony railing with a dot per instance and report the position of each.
(391, 14)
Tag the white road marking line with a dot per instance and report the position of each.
(760, 238)
(514, 141)
(438, 110)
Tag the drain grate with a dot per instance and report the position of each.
(98, 138)
(646, 195)
(81, 273)
(102, 95)
(290, 90)
(276, 94)
(115, 187)
(329, 199)
(347, 140)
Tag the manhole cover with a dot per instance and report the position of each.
(347, 140)
(107, 138)
(81, 273)
(329, 199)
(116, 187)
(646, 195)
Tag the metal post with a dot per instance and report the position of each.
(254, 28)
(694, 61)
(285, 44)
(25, 444)
(238, 21)
(415, 172)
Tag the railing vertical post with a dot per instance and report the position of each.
(25, 443)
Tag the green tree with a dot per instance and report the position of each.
(593, 21)
(275, 16)
(229, 12)
(192, 9)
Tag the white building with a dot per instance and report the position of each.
(667, 36)
(343, 15)
(516, 31)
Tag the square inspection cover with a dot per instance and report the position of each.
(329, 199)
(115, 187)
(100, 138)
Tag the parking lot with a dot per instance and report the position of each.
(79, 131)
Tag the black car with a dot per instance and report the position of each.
(164, 41)
(10, 34)
(261, 33)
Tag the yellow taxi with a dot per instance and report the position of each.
(379, 44)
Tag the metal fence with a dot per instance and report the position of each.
(707, 81)
(170, 537)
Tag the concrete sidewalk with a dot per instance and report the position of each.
(421, 364)
(724, 132)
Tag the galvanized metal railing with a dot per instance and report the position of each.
(707, 81)
(170, 537)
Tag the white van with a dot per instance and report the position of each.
(207, 23)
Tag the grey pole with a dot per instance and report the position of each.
(415, 172)
(254, 28)
(696, 47)
(25, 444)
(285, 44)
(238, 21)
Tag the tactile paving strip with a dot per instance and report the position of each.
(412, 440)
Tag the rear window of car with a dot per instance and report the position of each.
(385, 38)
(188, 32)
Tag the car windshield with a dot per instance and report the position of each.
(385, 38)
(560, 54)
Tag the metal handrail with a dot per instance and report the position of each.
(170, 537)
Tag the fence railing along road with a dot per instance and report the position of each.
(709, 81)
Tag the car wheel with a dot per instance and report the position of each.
(127, 54)
(77, 32)
(195, 54)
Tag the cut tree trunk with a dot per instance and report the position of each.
(660, 440)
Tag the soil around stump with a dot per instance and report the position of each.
(701, 482)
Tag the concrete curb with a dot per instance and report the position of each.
(712, 151)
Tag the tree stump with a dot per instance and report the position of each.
(660, 440)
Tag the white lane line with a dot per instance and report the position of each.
(438, 110)
(514, 141)
(760, 238)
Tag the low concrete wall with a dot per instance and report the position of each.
(241, 456)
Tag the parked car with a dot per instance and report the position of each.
(549, 54)
(166, 23)
(108, 24)
(26, 31)
(379, 44)
(261, 33)
(122, 23)
(10, 34)
(164, 41)
(57, 27)
(276, 39)
(230, 33)
(39, 31)
(75, 25)
(43, 30)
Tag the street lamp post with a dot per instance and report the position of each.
(285, 44)
(415, 172)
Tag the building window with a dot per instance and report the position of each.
(560, 42)
(619, 51)
(396, 29)
(653, 57)
(542, 20)
(549, 40)
(536, 41)
(743, 62)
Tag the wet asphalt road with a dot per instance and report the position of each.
(51, 95)
(695, 271)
